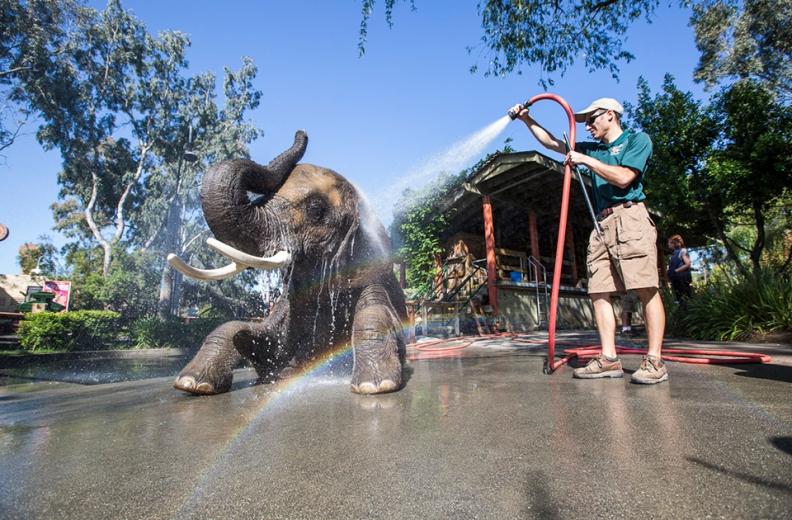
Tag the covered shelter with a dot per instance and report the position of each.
(504, 219)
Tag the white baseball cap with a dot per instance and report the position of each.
(605, 103)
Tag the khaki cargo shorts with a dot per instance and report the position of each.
(631, 239)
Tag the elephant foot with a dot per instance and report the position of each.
(202, 384)
(377, 379)
(368, 387)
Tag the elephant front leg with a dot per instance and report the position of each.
(377, 344)
(212, 369)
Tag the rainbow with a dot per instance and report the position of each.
(278, 392)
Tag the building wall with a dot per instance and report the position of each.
(517, 307)
(12, 290)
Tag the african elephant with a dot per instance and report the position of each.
(334, 254)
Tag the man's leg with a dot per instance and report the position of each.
(606, 364)
(606, 322)
(654, 315)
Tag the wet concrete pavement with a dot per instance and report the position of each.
(480, 435)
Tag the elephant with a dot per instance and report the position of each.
(333, 253)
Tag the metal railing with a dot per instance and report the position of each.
(538, 275)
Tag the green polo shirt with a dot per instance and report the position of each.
(630, 149)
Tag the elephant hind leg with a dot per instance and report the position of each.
(377, 343)
(211, 371)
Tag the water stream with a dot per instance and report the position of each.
(460, 155)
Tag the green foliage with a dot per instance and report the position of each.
(676, 181)
(130, 288)
(421, 219)
(717, 166)
(29, 32)
(152, 332)
(419, 222)
(41, 255)
(70, 331)
(735, 308)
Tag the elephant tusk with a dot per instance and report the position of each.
(204, 274)
(276, 261)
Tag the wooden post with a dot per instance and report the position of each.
(489, 240)
(534, 234)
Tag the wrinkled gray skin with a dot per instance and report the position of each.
(341, 285)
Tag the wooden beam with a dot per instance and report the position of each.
(489, 241)
(533, 230)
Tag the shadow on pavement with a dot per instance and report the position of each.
(782, 443)
(742, 476)
(762, 371)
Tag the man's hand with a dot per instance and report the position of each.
(518, 111)
(574, 158)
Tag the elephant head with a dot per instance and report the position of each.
(314, 226)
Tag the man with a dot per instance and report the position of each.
(627, 257)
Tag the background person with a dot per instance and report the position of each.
(626, 256)
(679, 271)
(629, 301)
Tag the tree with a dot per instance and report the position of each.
(683, 133)
(742, 40)
(752, 168)
(38, 258)
(104, 106)
(30, 34)
(552, 35)
(204, 133)
(715, 167)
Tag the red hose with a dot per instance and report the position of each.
(562, 225)
(709, 357)
(702, 356)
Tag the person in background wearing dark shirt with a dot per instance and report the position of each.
(679, 274)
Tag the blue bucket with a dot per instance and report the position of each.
(516, 276)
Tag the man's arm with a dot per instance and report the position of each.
(544, 137)
(620, 176)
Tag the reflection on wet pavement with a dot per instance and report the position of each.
(479, 436)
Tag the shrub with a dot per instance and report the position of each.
(736, 308)
(152, 332)
(71, 331)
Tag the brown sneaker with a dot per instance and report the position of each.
(599, 367)
(652, 371)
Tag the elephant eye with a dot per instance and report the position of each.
(316, 209)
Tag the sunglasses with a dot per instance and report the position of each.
(593, 117)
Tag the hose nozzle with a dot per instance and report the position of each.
(514, 113)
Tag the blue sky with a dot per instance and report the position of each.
(373, 119)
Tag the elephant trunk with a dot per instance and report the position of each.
(231, 215)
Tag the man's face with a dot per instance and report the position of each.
(599, 122)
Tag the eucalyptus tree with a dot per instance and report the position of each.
(31, 32)
(101, 103)
(751, 39)
(737, 38)
(202, 133)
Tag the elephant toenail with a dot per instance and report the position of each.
(367, 388)
(387, 386)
